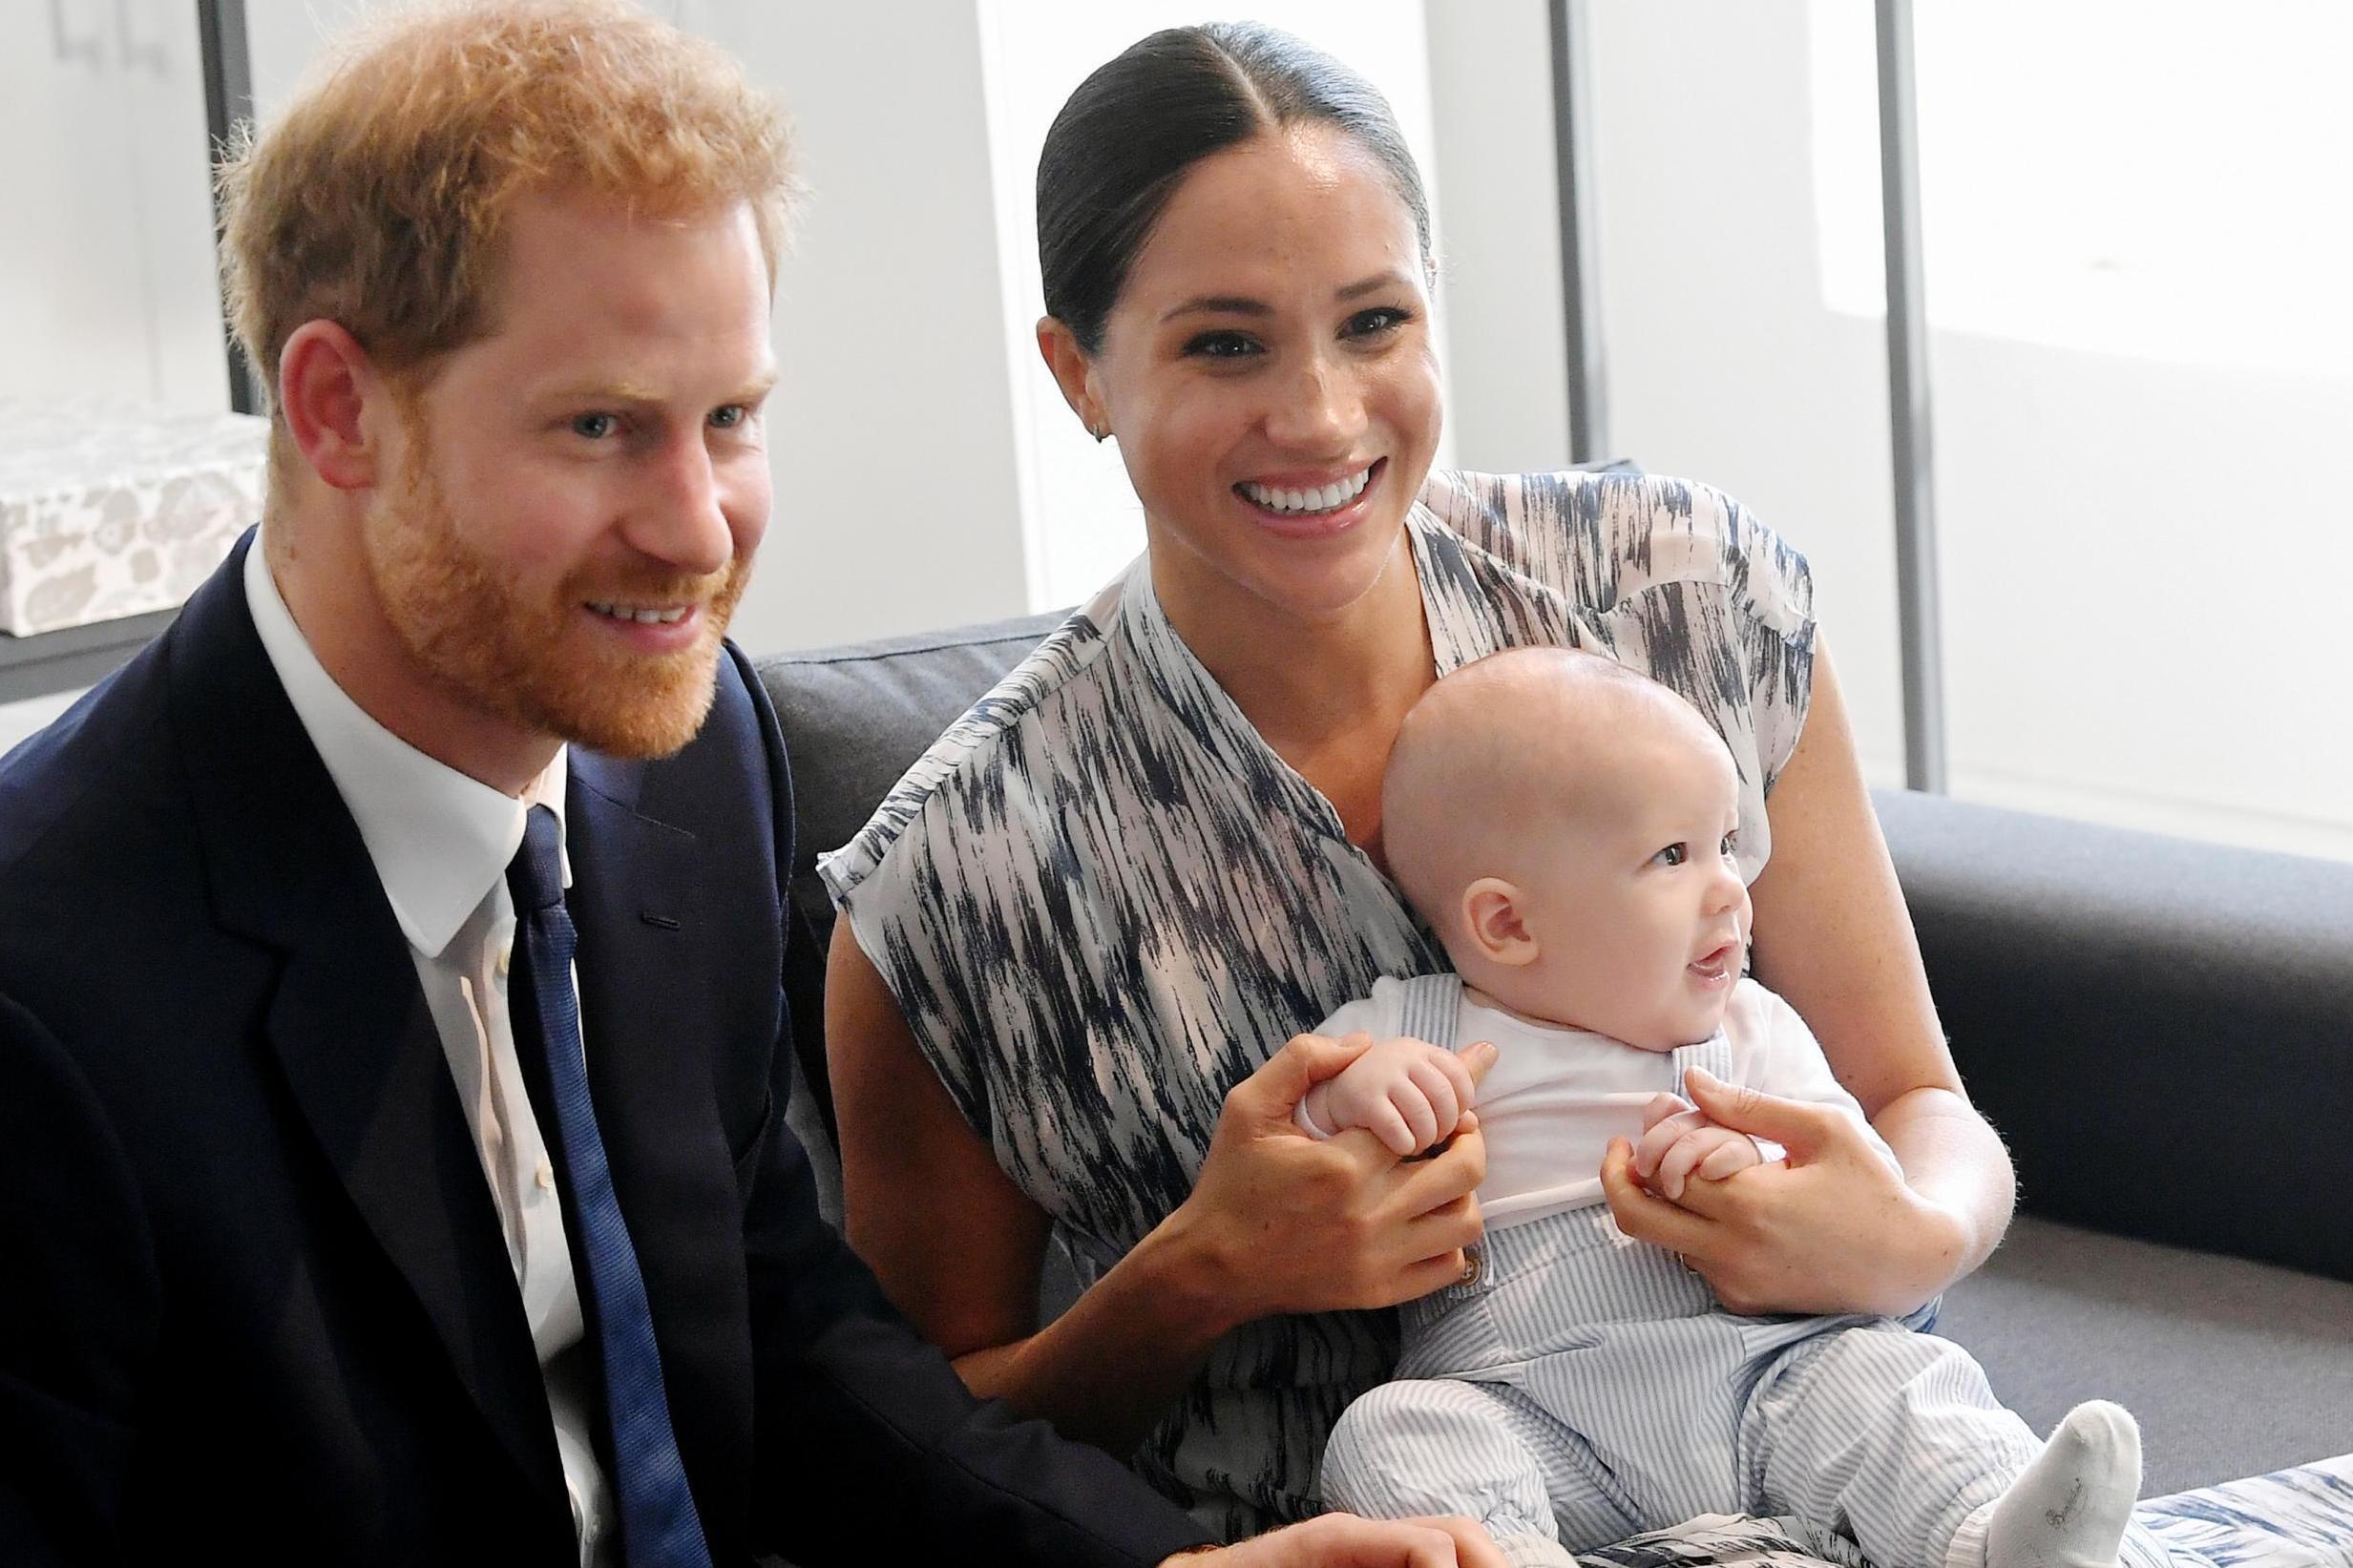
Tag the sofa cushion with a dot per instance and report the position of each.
(855, 719)
(2161, 1029)
(2232, 1368)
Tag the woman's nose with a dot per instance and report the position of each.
(1321, 409)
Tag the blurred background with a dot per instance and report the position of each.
(2133, 220)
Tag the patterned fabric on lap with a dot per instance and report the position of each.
(2291, 1518)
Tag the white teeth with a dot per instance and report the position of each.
(1322, 499)
(643, 617)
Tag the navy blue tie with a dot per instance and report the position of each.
(658, 1525)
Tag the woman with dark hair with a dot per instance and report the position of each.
(1085, 931)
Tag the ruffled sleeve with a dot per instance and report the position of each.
(1673, 577)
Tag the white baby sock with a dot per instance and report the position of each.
(2070, 1507)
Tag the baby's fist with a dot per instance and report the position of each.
(1406, 1093)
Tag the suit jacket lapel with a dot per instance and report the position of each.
(647, 987)
(349, 1023)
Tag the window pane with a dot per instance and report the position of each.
(107, 285)
(2142, 378)
(1726, 363)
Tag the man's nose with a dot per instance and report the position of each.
(680, 521)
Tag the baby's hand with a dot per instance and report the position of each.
(1680, 1143)
(1408, 1094)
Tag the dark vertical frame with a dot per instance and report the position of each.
(1572, 120)
(1908, 418)
(228, 99)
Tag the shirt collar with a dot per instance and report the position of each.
(440, 841)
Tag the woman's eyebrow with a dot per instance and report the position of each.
(1219, 304)
(1239, 305)
(1391, 279)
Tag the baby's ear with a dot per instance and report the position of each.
(1491, 915)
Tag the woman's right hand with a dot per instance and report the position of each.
(1279, 1222)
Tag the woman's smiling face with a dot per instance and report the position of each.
(1268, 369)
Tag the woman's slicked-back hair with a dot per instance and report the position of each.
(1126, 138)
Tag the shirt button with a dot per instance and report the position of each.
(545, 1175)
(506, 959)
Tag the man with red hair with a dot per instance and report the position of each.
(393, 1045)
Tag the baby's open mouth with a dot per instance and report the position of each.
(1717, 961)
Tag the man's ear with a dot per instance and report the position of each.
(1074, 372)
(325, 385)
(1491, 913)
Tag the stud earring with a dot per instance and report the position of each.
(1101, 432)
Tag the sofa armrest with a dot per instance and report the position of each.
(2161, 1029)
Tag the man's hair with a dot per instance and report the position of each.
(377, 199)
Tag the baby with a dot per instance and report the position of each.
(1568, 830)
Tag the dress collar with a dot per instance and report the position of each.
(439, 839)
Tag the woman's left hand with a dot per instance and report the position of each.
(1834, 1230)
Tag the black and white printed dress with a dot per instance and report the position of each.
(1102, 899)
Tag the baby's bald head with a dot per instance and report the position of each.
(1504, 748)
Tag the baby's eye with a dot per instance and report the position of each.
(593, 427)
(1731, 846)
(1674, 855)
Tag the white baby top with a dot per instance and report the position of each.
(1557, 1095)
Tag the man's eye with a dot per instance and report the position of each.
(731, 415)
(593, 427)
(1221, 345)
(1674, 855)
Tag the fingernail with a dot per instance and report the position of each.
(1484, 1049)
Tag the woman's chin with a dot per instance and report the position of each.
(1332, 591)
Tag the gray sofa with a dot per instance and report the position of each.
(2163, 1030)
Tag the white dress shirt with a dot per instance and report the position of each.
(441, 842)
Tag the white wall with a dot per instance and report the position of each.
(1500, 256)
(107, 287)
(1725, 363)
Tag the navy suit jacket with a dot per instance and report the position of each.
(255, 1296)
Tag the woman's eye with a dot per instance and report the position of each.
(1221, 345)
(1372, 324)
(1674, 855)
(593, 427)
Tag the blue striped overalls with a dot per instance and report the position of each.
(1585, 1387)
